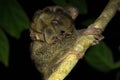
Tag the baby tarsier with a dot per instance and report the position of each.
(53, 34)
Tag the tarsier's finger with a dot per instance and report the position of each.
(96, 32)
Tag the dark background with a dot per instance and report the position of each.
(21, 66)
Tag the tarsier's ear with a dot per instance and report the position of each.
(72, 11)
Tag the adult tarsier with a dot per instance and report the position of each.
(53, 33)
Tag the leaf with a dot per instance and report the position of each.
(4, 48)
(88, 21)
(117, 65)
(100, 57)
(12, 17)
(80, 4)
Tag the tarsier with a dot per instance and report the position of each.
(53, 33)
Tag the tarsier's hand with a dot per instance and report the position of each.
(53, 23)
(96, 32)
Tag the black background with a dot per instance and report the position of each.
(21, 66)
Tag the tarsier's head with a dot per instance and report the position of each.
(53, 23)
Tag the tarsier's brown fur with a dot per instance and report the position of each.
(53, 33)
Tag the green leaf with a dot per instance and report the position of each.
(12, 17)
(4, 48)
(100, 57)
(88, 21)
(80, 4)
(117, 65)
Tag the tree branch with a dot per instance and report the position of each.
(107, 14)
(85, 41)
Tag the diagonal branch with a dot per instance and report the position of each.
(85, 41)
(107, 14)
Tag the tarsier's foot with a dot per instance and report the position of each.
(96, 32)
